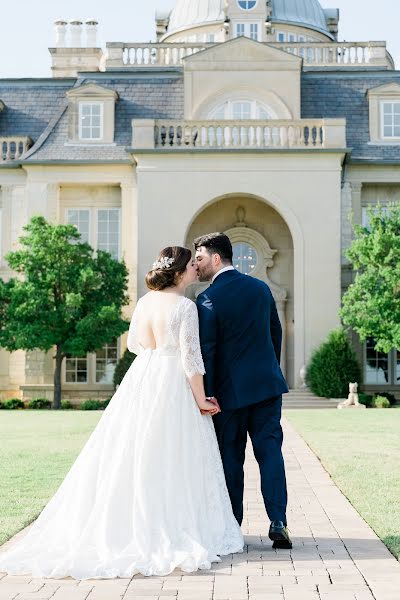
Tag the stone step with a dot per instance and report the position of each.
(304, 399)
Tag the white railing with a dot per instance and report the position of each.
(12, 148)
(154, 55)
(344, 54)
(314, 54)
(184, 135)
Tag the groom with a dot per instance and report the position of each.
(240, 337)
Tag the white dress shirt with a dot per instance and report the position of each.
(230, 268)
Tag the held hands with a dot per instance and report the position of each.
(210, 406)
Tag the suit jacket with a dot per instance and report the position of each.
(240, 337)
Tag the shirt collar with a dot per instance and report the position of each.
(230, 268)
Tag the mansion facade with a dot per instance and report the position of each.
(245, 116)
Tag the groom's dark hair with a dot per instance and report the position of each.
(216, 243)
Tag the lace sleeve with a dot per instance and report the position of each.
(189, 341)
(133, 343)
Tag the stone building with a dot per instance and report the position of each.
(246, 116)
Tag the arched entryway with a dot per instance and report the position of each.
(263, 248)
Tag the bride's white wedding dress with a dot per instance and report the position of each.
(147, 493)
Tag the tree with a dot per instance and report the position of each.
(371, 305)
(66, 297)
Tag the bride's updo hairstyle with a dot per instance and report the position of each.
(161, 277)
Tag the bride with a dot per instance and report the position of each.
(147, 493)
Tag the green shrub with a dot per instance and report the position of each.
(1, 405)
(13, 404)
(106, 402)
(365, 399)
(390, 397)
(39, 403)
(66, 405)
(333, 366)
(122, 367)
(381, 402)
(91, 405)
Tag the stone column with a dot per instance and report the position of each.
(129, 243)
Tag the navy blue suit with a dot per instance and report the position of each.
(240, 336)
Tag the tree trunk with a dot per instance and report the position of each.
(57, 380)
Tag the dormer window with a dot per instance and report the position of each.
(91, 121)
(384, 114)
(91, 111)
(390, 115)
(247, 4)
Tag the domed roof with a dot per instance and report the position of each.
(195, 12)
(189, 13)
(306, 13)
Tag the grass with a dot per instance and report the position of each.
(361, 451)
(37, 448)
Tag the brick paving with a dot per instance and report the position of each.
(335, 556)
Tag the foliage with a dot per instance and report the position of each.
(381, 402)
(123, 366)
(92, 405)
(39, 403)
(13, 404)
(371, 305)
(66, 405)
(390, 397)
(65, 297)
(365, 399)
(333, 366)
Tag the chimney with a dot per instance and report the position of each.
(69, 60)
(76, 33)
(60, 28)
(91, 33)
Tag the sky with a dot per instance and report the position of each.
(26, 27)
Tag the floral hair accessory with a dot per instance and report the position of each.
(163, 263)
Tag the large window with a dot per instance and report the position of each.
(241, 109)
(106, 361)
(100, 227)
(95, 368)
(380, 368)
(390, 115)
(90, 121)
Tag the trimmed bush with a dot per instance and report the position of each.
(381, 402)
(106, 402)
(39, 404)
(66, 405)
(13, 404)
(366, 399)
(122, 367)
(92, 405)
(333, 366)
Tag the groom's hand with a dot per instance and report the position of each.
(215, 411)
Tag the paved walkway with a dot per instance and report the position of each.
(336, 556)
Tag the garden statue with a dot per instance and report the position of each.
(352, 399)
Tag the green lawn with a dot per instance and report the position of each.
(361, 451)
(37, 449)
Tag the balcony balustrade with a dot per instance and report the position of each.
(309, 134)
(314, 54)
(12, 147)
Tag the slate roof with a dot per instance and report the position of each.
(37, 108)
(344, 95)
(39, 111)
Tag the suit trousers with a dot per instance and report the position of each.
(262, 421)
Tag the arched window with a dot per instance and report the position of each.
(244, 257)
(247, 4)
(241, 110)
